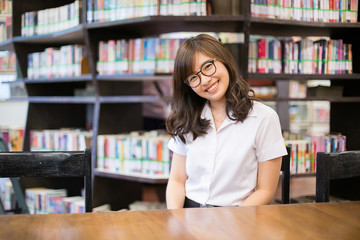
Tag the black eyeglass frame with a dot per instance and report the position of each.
(197, 74)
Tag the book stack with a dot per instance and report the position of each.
(141, 55)
(142, 205)
(7, 61)
(54, 201)
(51, 20)
(265, 55)
(56, 62)
(297, 89)
(304, 150)
(309, 117)
(60, 140)
(44, 200)
(5, 19)
(137, 153)
(319, 55)
(7, 195)
(112, 10)
(5, 28)
(307, 10)
(307, 55)
(14, 137)
(263, 88)
(6, 7)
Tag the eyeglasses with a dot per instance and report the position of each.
(208, 68)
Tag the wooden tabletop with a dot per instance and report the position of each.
(293, 221)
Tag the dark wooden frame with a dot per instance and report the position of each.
(50, 164)
(285, 177)
(49, 97)
(331, 166)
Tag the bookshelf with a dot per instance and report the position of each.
(117, 99)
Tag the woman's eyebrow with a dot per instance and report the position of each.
(196, 71)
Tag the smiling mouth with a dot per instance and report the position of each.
(213, 87)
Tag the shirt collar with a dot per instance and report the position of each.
(206, 113)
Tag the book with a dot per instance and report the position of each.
(306, 10)
(142, 153)
(51, 20)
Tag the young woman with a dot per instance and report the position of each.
(227, 147)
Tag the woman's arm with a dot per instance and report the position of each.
(175, 190)
(267, 181)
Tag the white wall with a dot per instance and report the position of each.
(13, 113)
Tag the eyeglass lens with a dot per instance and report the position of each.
(207, 69)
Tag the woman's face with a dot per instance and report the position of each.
(212, 88)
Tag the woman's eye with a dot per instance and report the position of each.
(192, 78)
(207, 66)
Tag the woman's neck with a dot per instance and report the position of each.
(218, 110)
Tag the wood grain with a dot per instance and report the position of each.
(290, 221)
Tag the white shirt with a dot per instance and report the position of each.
(222, 165)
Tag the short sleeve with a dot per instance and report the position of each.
(177, 146)
(269, 140)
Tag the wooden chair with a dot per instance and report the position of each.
(50, 164)
(332, 166)
(285, 178)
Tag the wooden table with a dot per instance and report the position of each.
(294, 221)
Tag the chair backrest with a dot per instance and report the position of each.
(50, 164)
(331, 166)
(285, 177)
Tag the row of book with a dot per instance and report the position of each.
(7, 195)
(307, 10)
(309, 112)
(51, 20)
(60, 140)
(265, 55)
(5, 6)
(308, 55)
(56, 62)
(112, 10)
(141, 55)
(7, 61)
(265, 91)
(303, 151)
(143, 205)
(5, 28)
(13, 137)
(143, 153)
(297, 89)
(54, 201)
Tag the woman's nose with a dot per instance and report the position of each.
(205, 79)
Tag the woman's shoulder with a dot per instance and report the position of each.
(261, 110)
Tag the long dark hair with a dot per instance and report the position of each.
(187, 106)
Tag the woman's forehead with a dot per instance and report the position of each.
(199, 59)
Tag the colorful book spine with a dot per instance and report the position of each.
(113, 10)
(135, 153)
(7, 61)
(306, 10)
(141, 55)
(51, 20)
(60, 140)
(56, 62)
(303, 152)
(265, 55)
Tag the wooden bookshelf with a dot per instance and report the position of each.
(279, 27)
(131, 177)
(282, 76)
(117, 99)
(135, 77)
(6, 45)
(86, 77)
(152, 25)
(73, 35)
